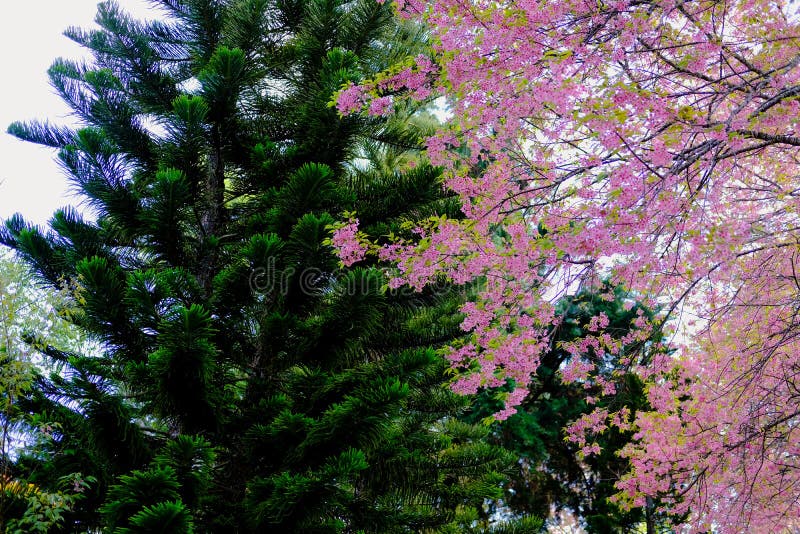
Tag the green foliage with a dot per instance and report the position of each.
(32, 510)
(160, 499)
(192, 458)
(138, 491)
(164, 517)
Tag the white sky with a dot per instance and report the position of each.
(31, 181)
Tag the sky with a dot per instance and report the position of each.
(31, 181)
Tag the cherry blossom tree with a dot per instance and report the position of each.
(652, 143)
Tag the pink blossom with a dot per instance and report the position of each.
(656, 145)
(350, 248)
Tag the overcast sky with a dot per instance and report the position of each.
(31, 181)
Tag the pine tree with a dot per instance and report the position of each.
(246, 382)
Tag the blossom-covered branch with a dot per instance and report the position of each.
(652, 143)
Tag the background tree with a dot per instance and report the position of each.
(246, 383)
(29, 317)
(554, 473)
(653, 143)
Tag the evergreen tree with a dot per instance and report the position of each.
(246, 382)
(553, 474)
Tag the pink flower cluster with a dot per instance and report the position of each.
(346, 241)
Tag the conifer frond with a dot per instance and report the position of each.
(42, 133)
